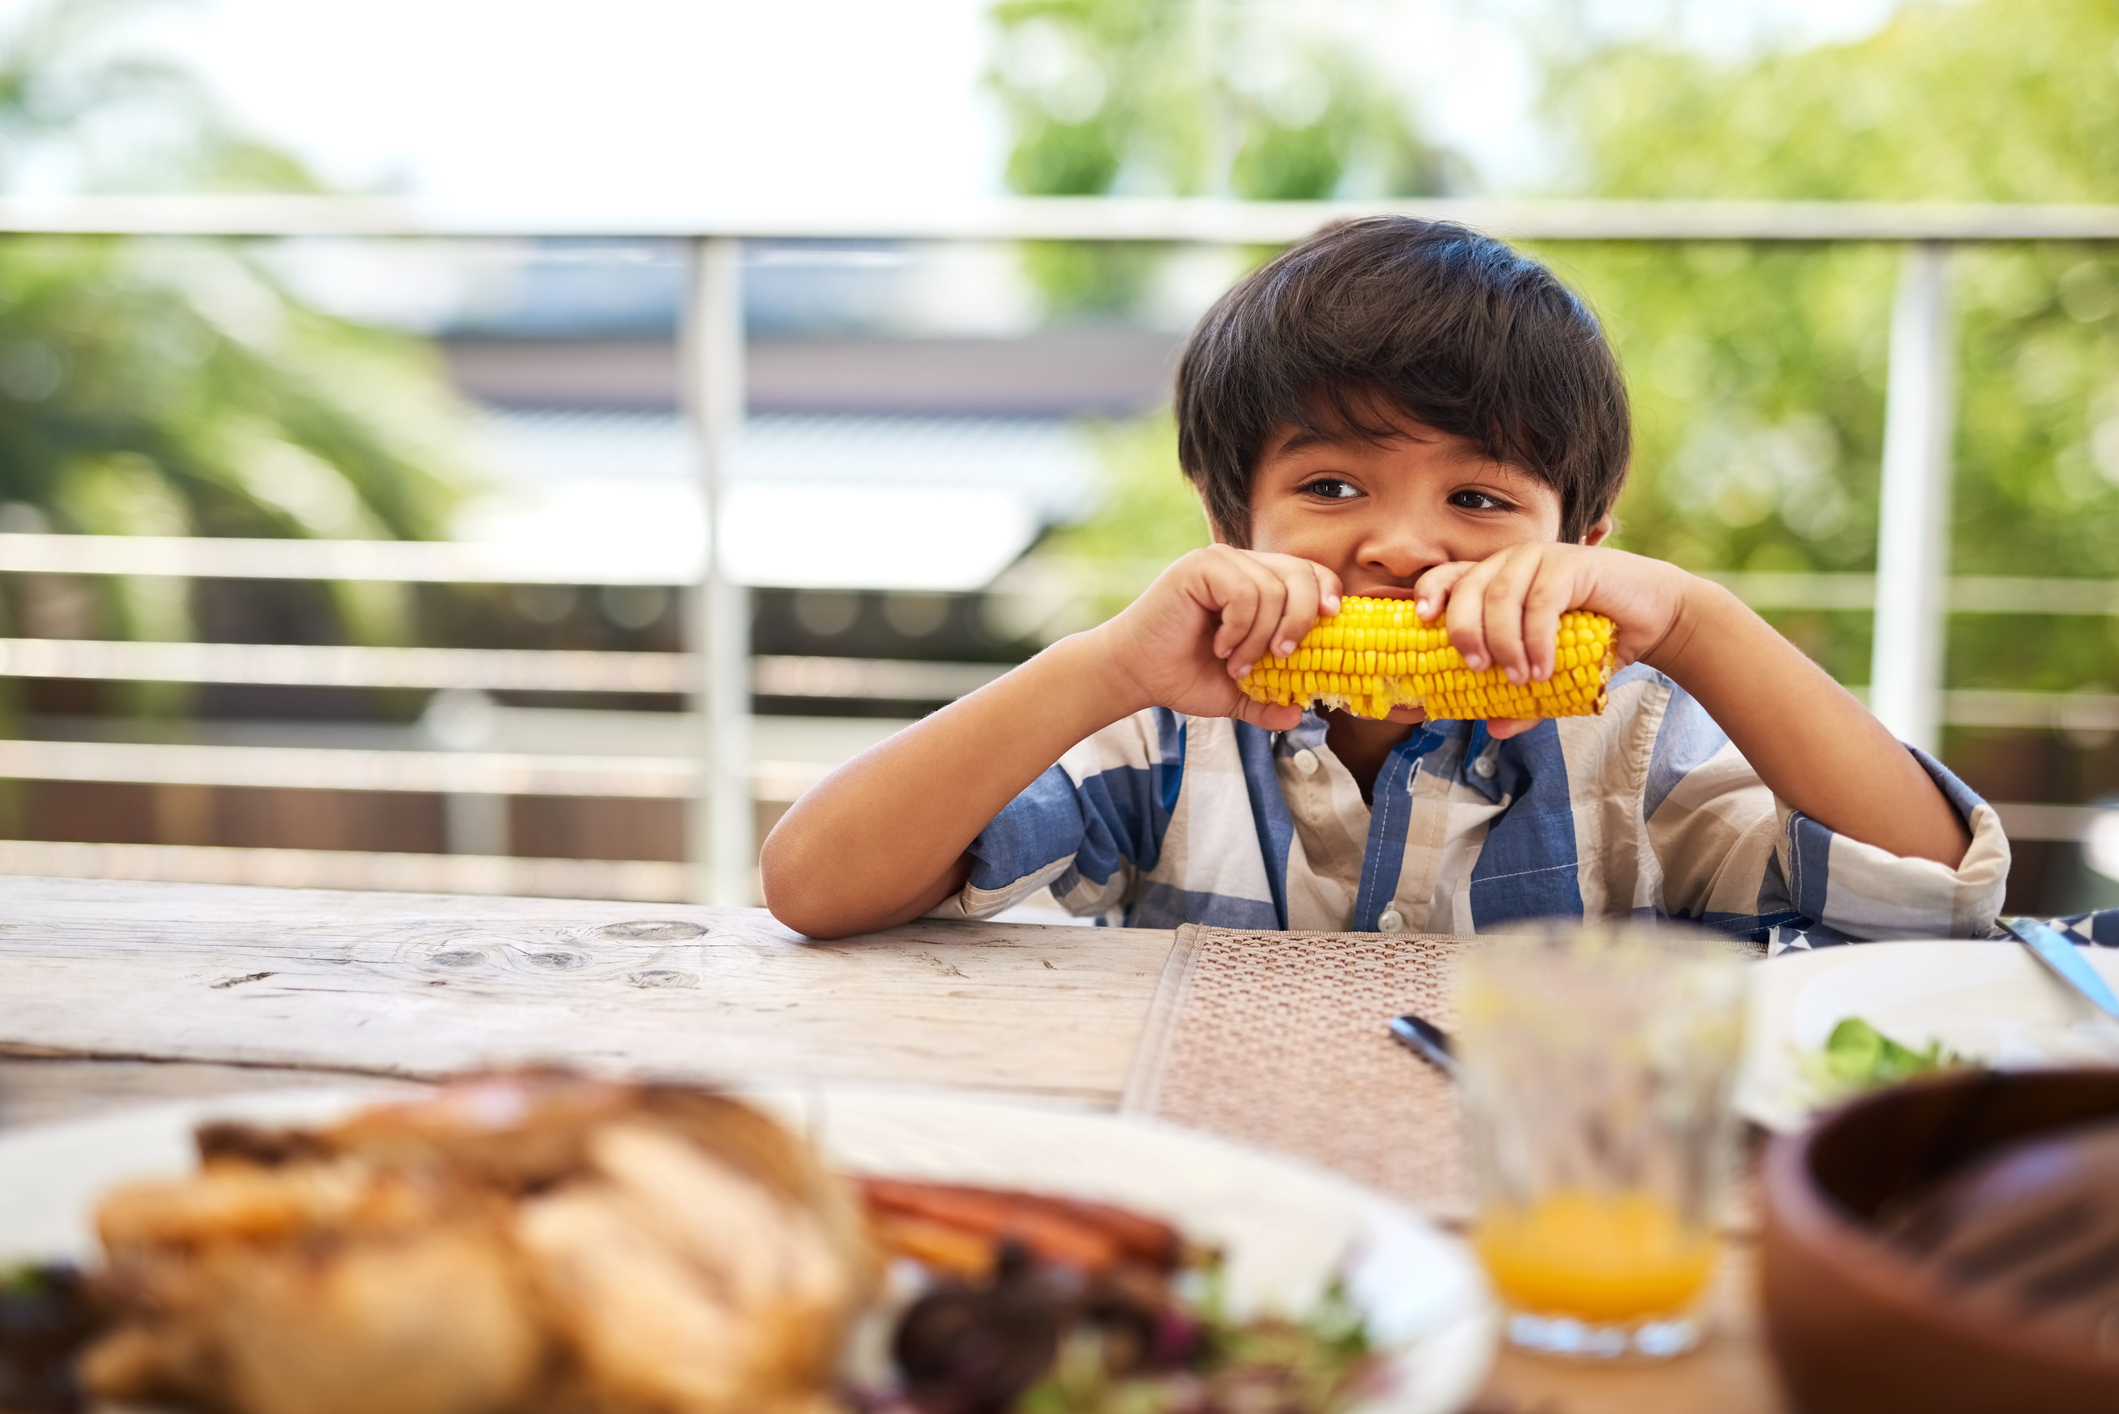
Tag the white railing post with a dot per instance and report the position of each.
(1913, 519)
(720, 829)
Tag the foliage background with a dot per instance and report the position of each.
(168, 388)
(1758, 372)
(1178, 97)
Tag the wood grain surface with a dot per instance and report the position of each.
(419, 985)
(114, 994)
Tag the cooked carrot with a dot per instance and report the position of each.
(1149, 1239)
(946, 1249)
(1083, 1234)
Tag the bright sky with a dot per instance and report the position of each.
(636, 104)
(640, 104)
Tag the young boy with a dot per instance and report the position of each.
(1405, 409)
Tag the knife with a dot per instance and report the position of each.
(1429, 1041)
(2056, 952)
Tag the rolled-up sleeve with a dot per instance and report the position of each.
(1088, 827)
(1866, 892)
(1731, 854)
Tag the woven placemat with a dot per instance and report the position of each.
(1279, 1040)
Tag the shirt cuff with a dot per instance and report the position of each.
(974, 902)
(1872, 894)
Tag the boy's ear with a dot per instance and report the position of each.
(1601, 531)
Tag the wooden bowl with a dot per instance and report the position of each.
(1856, 1323)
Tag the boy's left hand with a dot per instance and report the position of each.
(1504, 611)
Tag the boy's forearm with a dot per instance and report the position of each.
(879, 840)
(1809, 740)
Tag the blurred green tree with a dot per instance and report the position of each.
(177, 387)
(1190, 97)
(1758, 373)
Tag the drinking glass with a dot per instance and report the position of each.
(1598, 1065)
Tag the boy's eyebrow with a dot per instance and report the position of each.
(1304, 438)
(1308, 437)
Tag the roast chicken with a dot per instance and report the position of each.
(516, 1244)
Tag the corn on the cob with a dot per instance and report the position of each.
(1376, 654)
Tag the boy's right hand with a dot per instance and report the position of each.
(1208, 619)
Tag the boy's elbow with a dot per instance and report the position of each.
(809, 926)
(804, 915)
(813, 917)
(811, 890)
(799, 891)
(790, 891)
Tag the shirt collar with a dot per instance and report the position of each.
(1305, 735)
(1309, 733)
(1470, 740)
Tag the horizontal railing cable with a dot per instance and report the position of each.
(418, 772)
(486, 669)
(309, 665)
(1968, 594)
(398, 561)
(1183, 219)
(507, 774)
(793, 676)
(449, 562)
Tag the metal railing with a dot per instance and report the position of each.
(1910, 595)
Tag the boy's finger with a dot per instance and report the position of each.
(1298, 613)
(1465, 616)
(1551, 594)
(1502, 728)
(1268, 599)
(1328, 589)
(1271, 716)
(1431, 591)
(1504, 594)
(1236, 597)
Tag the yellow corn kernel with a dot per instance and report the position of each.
(1375, 655)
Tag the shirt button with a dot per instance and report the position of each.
(1483, 768)
(1392, 921)
(1306, 761)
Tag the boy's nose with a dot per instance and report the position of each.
(1402, 553)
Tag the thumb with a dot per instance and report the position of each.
(1270, 716)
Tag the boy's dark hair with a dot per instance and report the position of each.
(1455, 328)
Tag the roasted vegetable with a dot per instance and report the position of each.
(46, 1315)
(931, 1221)
(964, 1349)
(1056, 1306)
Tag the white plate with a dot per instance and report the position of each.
(1990, 1001)
(1286, 1228)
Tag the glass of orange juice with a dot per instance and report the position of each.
(1598, 1065)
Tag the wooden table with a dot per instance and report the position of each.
(114, 994)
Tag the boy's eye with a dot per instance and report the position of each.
(1330, 488)
(1470, 500)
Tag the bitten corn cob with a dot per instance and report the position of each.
(1376, 654)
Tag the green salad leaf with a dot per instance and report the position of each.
(1858, 1058)
(1318, 1363)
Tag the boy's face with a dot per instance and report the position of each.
(1380, 514)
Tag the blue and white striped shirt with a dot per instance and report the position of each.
(1646, 810)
